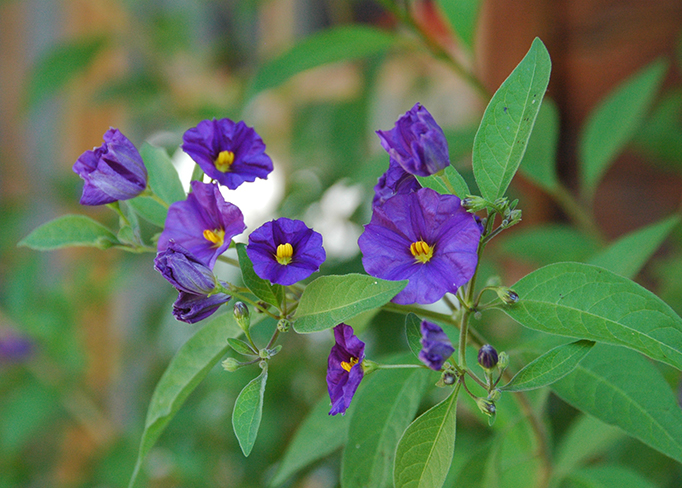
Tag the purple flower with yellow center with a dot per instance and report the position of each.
(344, 371)
(424, 237)
(436, 347)
(204, 223)
(395, 181)
(195, 282)
(114, 171)
(285, 251)
(230, 153)
(417, 143)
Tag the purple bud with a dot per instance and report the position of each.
(184, 271)
(487, 357)
(436, 347)
(114, 171)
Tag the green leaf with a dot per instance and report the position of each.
(550, 367)
(425, 450)
(61, 64)
(586, 438)
(186, 370)
(614, 121)
(607, 477)
(318, 436)
(385, 406)
(628, 255)
(621, 388)
(539, 162)
(342, 43)
(263, 289)
(163, 177)
(508, 121)
(587, 302)
(329, 300)
(413, 333)
(548, 244)
(463, 16)
(248, 411)
(149, 209)
(454, 183)
(69, 230)
(240, 347)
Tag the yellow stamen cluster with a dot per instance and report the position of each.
(284, 254)
(421, 251)
(224, 161)
(348, 365)
(216, 236)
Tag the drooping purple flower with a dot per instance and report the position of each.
(285, 251)
(228, 152)
(424, 237)
(394, 181)
(114, 171)
(417, 143)
(194, 281)
(436, 347)
(204, 223)
(344, 371)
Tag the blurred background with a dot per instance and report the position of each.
(86, 334)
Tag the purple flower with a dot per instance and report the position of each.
(395, 181)
(14, 348)
(285, 251)
(114, 171)
(344, 372)
(204, 223)
(228, 152)
(194, 281)
(436, 347)
(424, 237)
(417, 143)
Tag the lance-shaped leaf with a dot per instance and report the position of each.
(187, 369)
(413, 333)
(263, 289)
(448, 183)
(508, 121)
(621, 388)
(329, 300)
(318, 436)
(248, 411)
(628, 255)
(615, 120)
(69, 230)
(385, 407)
(587, 302)
(343, 43)
(550, 367)
(163, 177)
(425, 450)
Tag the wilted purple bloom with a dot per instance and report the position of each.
(204, 223)
(14, 348)
(114, 171)
(285, 251)
(424, 237)
(436, 347)
(228, 152)
(393, 182)
(344, 371)
(194, 282)
(417, 143)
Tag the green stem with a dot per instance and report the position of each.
(227, 260)
(148, 192)
(399, 366)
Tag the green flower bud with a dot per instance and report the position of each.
(474, 203)
(486, 406)
(231, 365)
(241, 315)
(502, 361)
(507, 295)
(283, 325)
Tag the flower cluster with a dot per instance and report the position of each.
(416, 234)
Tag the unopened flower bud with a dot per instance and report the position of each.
(486, 406)
(487, 357)
(474, 203)
(241, 315)
(502, 361)
(507, 295)
(231, 365)
(283, 325)
(449, 378)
